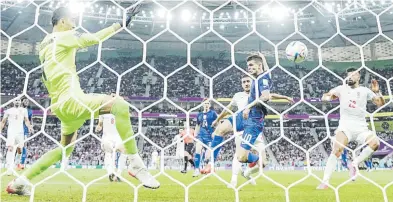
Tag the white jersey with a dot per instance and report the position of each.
(240, 100)
(353, 102)
(108, 125)
(15, 116)
(179, 146)
(154, 156)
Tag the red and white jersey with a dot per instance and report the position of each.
(15, 116)
(108, 125)
(353, 102)
(240, 100)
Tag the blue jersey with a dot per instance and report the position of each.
(264, 83)
(344, 154)
(29, 116)
(205, 120)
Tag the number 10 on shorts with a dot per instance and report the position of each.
(246, 138)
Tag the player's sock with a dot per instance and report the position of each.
(185, 162)
(197, 160)
(17, 158)
(330, 166)
(10, 159)
(24, 154)
(121, 164)
(46, 161)
(191, 162)
(216, 141)
(363, 155)
(108, 162)
(121, 112)
(236, 166)
(252, 158)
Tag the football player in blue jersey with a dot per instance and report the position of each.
(203, 131)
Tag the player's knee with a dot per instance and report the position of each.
(10, 148)
(337, 151)
(241, 156)
(120, 107)
(374, 143)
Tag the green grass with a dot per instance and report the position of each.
(63, 189)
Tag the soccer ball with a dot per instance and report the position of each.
(296, 51)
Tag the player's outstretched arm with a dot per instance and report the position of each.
(222, 114)
(278, 96)
(89, 39)
(378, 98)
(331, 95)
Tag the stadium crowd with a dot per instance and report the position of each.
(185, 83)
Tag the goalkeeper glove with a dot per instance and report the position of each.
(131, 13)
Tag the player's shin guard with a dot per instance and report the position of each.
(46, 161)
(123, 124)
(216, 141)
(17, 158)
(363, 155)
(197, 160)
(24, 154)
(330, 166)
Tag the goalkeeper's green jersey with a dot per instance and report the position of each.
(57, 54)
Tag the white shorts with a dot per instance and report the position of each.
(111, 145)
(259, 143)
(15, 139)
(180, 152)
(355, 131)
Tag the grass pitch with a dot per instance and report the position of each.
(64, 189)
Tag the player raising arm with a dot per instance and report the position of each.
(15, 137)
(352, 124)
(69, 101)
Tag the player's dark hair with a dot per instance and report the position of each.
(245, 76)
(60, 13)
(254, 57)
(351, 69)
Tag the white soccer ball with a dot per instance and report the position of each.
(296, 51)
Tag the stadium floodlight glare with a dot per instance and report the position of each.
(161, 13)
(186, 15)
(222, 26)
(278, 12)
(118, 12)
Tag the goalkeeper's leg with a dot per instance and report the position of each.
(120, 109)
(20, 185)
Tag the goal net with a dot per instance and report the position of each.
(172, 56)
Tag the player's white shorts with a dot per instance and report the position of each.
(180, 152)
(259, 143)
(355, 131)
(15, 140)
(110, 144)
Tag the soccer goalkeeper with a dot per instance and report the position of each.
(60, 78)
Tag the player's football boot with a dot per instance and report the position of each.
(207, 169)
(146, 178)
(352, 171)
(323, 186)
(20, 167)
(18, 186)
(9, 172)
(184, 171)
(118, 179)
(111, 176)
(196, 173)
